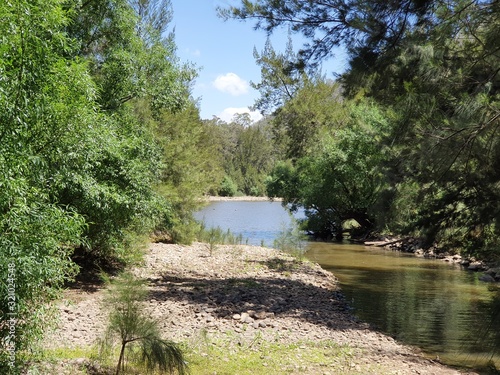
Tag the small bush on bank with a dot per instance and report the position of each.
(292, 240)
(135, 333)
(228, 187)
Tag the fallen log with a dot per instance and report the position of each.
(384, 243)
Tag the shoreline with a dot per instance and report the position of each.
(249, 298)
(244, 198)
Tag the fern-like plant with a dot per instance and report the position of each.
(136, 333)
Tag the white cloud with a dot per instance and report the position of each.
(228, 114)
(231, 84)
(191, 52)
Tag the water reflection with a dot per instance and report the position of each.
(427, 303)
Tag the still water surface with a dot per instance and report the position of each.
(257, 222)
(431, 304)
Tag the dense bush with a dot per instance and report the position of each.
(227, 187)
(82, 89)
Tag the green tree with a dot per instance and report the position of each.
(281, 77)
(140, 81)
(247, 153)
(78, 167)
(191, 167)
(341, 179)
(298, 124)
(434, 66)
(46, 105)
(444, 89)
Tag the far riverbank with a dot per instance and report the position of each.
(244, 198)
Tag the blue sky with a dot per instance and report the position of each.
(223, 51)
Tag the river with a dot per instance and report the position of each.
(437, 306)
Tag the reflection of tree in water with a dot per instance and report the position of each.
(428, 308)
(483, 336)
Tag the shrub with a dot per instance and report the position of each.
(228, 187)
(137, 335)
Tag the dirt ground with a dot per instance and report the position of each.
(244, 290)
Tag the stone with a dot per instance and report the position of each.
(475, 266)
(244, 317)
(487, 278)
(260, 315)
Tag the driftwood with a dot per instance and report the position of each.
(384, 243)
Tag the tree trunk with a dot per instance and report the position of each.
(120, 360)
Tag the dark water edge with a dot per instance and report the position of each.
(436, 306)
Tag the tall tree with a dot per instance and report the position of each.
(298, 123)
(281, 76)
(191, 167)
(78, 165)
(46, 105)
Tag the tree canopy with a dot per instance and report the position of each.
(432, 67)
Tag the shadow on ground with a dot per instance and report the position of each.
(278, 295)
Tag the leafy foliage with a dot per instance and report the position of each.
(39, 95)
(247, 155)
(368, 29)
(83, 87)
(281, 77)
(297, 126)
(190, 168)
(227, 187)
(340, 180)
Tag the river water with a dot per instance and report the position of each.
(431, 304)
(257, 222)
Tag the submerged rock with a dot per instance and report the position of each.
(487, 278)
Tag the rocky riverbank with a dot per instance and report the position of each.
(490, 272)
(239, 294)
